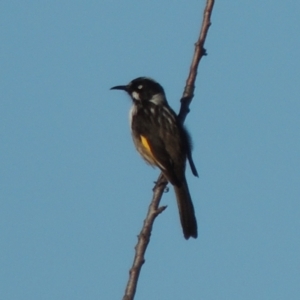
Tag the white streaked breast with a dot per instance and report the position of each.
(132, 112)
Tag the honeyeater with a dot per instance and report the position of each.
(162, 141)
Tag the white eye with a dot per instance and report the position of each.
(140, 86)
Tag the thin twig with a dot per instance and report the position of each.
(154, 210)
(200, 51)
(144, 237)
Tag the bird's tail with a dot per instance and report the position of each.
(186, 210)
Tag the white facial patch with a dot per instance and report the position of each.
(140, 86)
(136, 96)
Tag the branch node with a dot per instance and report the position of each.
(161, 182)
(161, 209)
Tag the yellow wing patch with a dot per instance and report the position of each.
(146, 144)
(150, 157)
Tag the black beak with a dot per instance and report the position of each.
(120, 87)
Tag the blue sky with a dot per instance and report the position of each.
(73, 191)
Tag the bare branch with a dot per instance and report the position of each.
(144, 237)
(200, 51)
(154, 210)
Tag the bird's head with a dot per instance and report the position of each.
(143, 89)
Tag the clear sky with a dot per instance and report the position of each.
(73, 191)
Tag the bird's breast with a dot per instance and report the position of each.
(132, 112)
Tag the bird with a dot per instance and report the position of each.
(163, 142)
